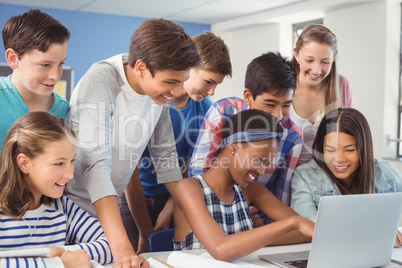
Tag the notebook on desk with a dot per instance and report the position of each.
(350, 231)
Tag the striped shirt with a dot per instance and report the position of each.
(232, 218)
(59, 224)
(278, 174)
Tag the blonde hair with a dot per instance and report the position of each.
(322, 35)
(30, 134)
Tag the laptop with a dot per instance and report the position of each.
(350, 231)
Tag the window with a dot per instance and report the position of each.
(399, 139)
(399, 147)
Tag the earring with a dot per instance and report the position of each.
(233, 152)
(298, 62)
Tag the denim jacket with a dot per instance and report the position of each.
(310, 183)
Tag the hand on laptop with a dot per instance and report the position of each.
(398, 241)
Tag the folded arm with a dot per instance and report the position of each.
(190, 199)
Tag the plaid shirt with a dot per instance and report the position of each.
(232, 218)
(278, 174)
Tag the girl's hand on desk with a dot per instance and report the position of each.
(131, 261)
(78, 258)
(398, 241)
(55, 252)
(305, 226)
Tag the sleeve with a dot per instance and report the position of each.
(286, 169)
(346, 92)
(302, 196)
(162, 149)
(207, 145)
(60, 107)
(31, 262)
(394, 175)
(90, 119)
(85, 232)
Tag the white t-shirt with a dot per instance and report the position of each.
(114, 124)
(309, 131)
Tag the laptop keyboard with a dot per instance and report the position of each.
(298, 263)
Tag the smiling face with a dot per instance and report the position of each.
(341, 155)
(37, 72)
(202, 84)
(315, 62)
(161, 87)
(250, 160)
(49, 172)
(278, 106)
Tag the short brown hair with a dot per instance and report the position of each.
(33, 30)
(270, 73)
(162, 45)
(214, 53)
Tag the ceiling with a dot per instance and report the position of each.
(195, 11)
(221, 14)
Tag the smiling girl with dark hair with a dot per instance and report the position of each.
(343, 164)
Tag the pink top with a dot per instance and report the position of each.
(345, 92)
(309, 130)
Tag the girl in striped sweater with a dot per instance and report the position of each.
(35, 165)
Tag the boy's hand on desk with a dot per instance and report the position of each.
(131, 261)
(162, 222)
(398, 241)
(257, 221)
(165, 216)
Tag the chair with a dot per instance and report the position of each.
(161, 241)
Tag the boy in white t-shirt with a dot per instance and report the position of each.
(116, 110)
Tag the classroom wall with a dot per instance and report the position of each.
(94, 36)
(247, 43)
(368, 44)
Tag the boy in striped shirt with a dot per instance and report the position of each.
(269, 86)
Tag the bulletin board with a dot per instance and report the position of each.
(64, 87)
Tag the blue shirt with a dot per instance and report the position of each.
(186, 124)
(12, 106)
(310, 183)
